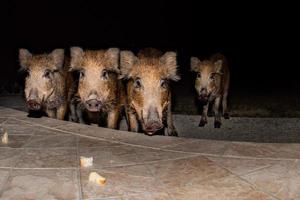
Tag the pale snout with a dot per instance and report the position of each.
(33, 102)
(203, 95)
(153, 122)
(93, 104)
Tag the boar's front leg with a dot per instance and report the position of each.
(203, 119)
(133, 124)
(79, 114)
(61, 111)
(72, 115)
(224, 105)
(217, 103)
(51, 113)
(171, 128)
(112, 119)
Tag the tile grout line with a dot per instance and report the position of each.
(2, 123)
(147, 162)
(78, 170)
(2, 188)
(27, 141)
(180, 143)
(259, 189)
(253, 186)
(104, 198)
(44, 168)
(66, 148)
(161, 183)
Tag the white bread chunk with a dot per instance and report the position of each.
(4, 138)
(96, 178)
(86, 162)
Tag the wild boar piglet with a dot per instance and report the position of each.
(148, 103)
(212, 85)
(99, 89)
(47, 82)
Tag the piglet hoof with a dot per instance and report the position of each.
(202, 123)
(217, 124)
(226, 116)
(172, 133)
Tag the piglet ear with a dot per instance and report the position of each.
(219, 65)
(169, 62)
(24, 57)
(112, 56)
(127, 60)
(194, 64)
(77, 55)
(58, 56)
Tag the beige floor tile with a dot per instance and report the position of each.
(43, 121)
(148, 196)
(134, 170)
(118, 184)
(52, 141)
(110, 156)
(16, 141)
(281, 179)
(89, 142)
(42, 184)
(151, 141)
(9, 157)
(291, 151)
(187, 173)
(255, 150)
(8, 112)
(228, 188)
(126, 155)
(14, 122)
(151, 155)
(18, 130)
(202, 146)
(241, 166)
(4, 173)
(47, 158)
(3, 120)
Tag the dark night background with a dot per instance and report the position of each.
(259, 40)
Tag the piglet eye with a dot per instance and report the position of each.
(105, 74)
(137, 83)
(47, 74)
(199, 75)
(26, 73)
(164, 83)
(81, 74)
(212, 77)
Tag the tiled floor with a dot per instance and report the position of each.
(41, 161)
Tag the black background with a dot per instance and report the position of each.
(261, 41)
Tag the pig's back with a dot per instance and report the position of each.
(226, 72)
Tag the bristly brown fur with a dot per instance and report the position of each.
(108, 59)
(149, 59)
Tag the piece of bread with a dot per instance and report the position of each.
(86, 162)
(4, 138)
(96, 178)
